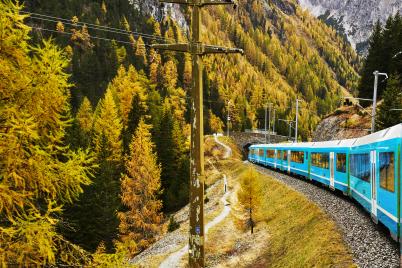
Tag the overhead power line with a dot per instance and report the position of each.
(91, 36)
(95, 26)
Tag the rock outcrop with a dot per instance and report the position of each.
(344, 123)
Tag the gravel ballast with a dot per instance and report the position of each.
(370, 246)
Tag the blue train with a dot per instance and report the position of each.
(368, 169)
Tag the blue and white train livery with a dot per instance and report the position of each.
(368, 169)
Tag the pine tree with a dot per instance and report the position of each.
(138, 111)
(155, 112)
(374, 61)
(392, 100)
(140, 188)
(39, 174)
(173, 154)
(94, 218)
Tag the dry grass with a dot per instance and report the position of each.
(291, 231)
(302, 235)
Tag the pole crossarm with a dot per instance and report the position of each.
(217, 49)
(199, 3)
(171, 47)
(197, 48)
(288, 122)
(357, 98)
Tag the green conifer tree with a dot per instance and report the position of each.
(387, 116)
(374, 61)
(93, 218)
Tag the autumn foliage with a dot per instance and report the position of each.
(38, 172)
(140, 189)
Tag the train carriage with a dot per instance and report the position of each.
(366, 168)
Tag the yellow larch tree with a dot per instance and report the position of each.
(250, 195)
(170, 75)
(38, 173)
(141, 53)
(155, 66)
(85, 115)
(215, 123)
(140, 188)
(108, 128)
(128, 84)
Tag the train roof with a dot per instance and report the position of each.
(386, 134)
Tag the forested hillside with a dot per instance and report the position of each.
(385, 55)
(288, 53)
(94, 122)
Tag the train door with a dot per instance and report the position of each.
(399, 189)
(289, 158)
(331, 169)
(276, 157)
(373, 172)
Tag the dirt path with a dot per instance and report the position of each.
(228, 150)
(173, 260)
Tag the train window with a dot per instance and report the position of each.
(297, 157)
(260, 152)
(285, 155)
(387, 171)
(270, 153)
(320, 160)
(341, 163)
(360, 166)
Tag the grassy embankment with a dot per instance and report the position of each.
(291, 230)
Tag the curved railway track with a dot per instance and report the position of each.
(370, 245)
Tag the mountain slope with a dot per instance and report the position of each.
(354, 18)
(288, 53)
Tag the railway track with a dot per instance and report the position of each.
(370, 245)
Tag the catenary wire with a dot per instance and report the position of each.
(91, 36)
(97, 26)
(94, 26)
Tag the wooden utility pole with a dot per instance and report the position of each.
(297, 118)
(269, 123)
(197, 50)
(228, 119)
(265, 124)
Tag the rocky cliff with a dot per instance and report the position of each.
(354, 18)
(345, 123)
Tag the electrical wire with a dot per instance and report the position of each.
(90, 27)
(91, 36)
(98, 27)
(95, 27)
